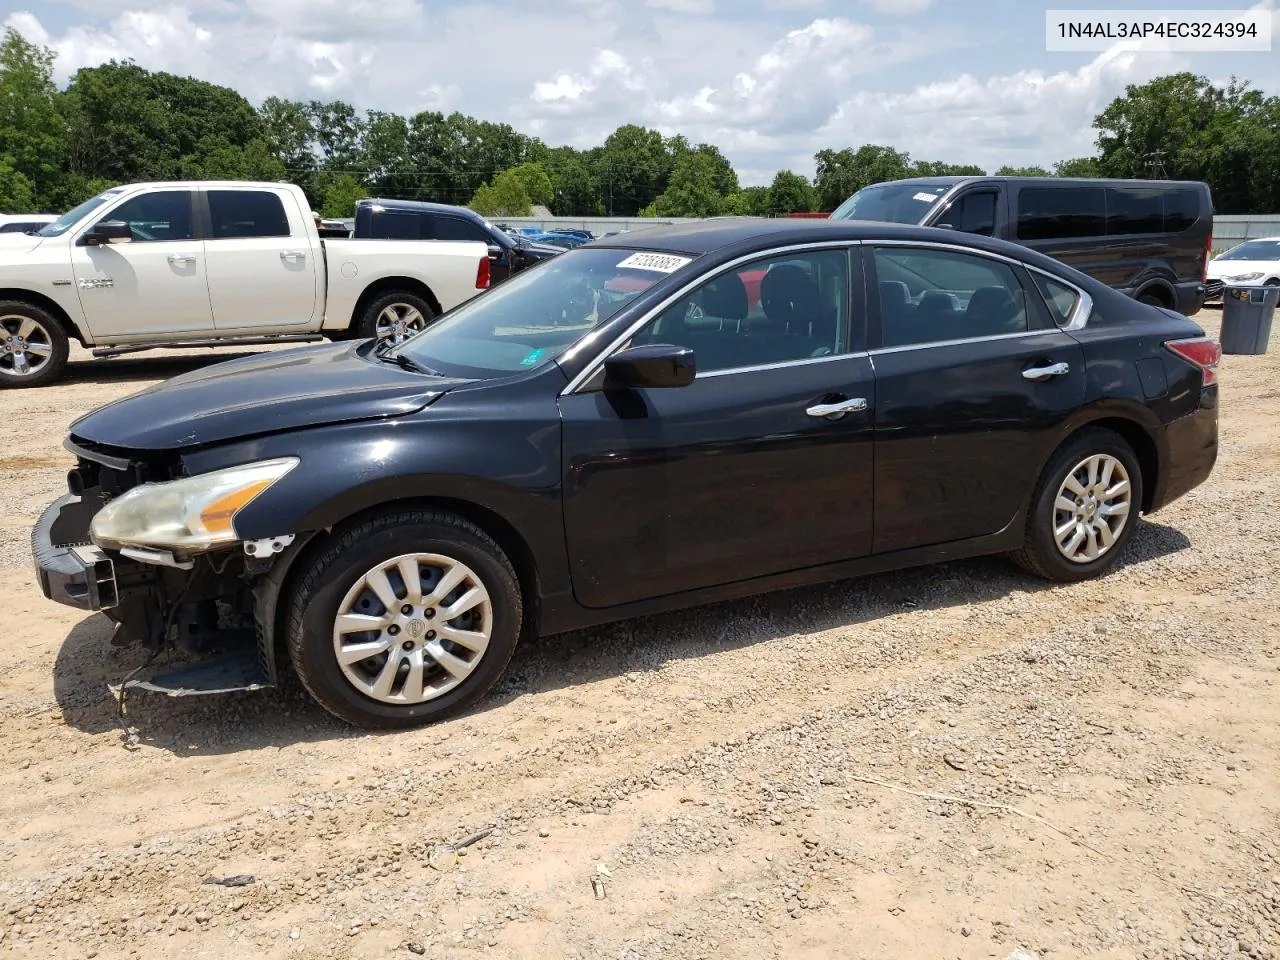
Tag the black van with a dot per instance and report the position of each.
(1149, 239)
(417, 220)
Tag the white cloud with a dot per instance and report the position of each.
(702, 7)
(899, 7)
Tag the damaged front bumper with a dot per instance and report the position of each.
(78, 575)
(165, 607)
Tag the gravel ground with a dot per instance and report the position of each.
(954, 762)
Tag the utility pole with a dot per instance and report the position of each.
(1155, 164)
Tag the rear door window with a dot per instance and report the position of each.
(1061, 212)
(933, 296)
(455, 228)
(242, 214)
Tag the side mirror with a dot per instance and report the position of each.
(107, 231)
(495, 252)
(650, 366)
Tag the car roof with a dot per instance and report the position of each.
(419, 206)
(717, 233)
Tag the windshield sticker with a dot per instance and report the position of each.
(926, 197)
(531, 358)
(657, 262)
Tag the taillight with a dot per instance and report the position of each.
(1201, 351)
(1208, 249)
(482, 274)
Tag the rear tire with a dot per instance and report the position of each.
(33, 345)
(442, 664)
(1066, 507)
(395, 316)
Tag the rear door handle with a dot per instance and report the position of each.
(182, 258)
(1053, 370)
(855, 405)
(292, 255)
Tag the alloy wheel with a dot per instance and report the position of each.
(398, 322)
(1092, 507)
(25, 346)
(412, 628)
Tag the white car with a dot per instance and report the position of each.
(1252, 263)
(24, 222)
(211, 263)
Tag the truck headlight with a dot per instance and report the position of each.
(192, 514)
(1244, 277)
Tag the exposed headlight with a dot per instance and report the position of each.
(1244, 277)
(192, 514)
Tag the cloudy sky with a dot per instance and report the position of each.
(768, 81)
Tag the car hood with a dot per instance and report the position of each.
(13, 245)
(1221, 269)
(542, 250)
(267, 393)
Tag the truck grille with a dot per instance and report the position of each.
(1212, 289)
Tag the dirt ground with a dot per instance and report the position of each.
(954, 762)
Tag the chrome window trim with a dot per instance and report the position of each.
(598, 361)
(1075, 323)
(782, 364)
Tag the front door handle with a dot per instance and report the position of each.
(1053, 370)
(292, 255)
(182, 258)
(855, 405)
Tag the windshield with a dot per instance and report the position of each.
(75, 215)
(527, 320)
(894, 202)
(1253, 250)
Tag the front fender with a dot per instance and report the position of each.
(507, 468)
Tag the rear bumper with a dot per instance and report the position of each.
(1192, 444)
(1191, 297)
(80, 576)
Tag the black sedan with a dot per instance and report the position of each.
(656, 420)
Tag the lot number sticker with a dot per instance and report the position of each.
(657, 262)
(926, 197)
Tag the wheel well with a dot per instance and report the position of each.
(40, 300)
(1160, 290)
(503, 533)
(386, 285)
(1144, 448)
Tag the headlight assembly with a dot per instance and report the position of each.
(1244, 278)
(192, 515)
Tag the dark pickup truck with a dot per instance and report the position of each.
(413, 219)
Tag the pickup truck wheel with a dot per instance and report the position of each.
(404, 619)
(395, 316)
(33, 345)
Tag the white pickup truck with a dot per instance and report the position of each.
(211, 263)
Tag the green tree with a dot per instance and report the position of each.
(33, 144)
(842, 173)
(17, 194)
(341, 192)
(937, 168)
(575, 186)
(791, 193)
(339, 130)
(537, 185)
(1008, 171)
(504, 196)
(385, 155)
(691, 191)
(1077, 167)
(633, 165)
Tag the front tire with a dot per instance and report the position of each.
(380, 651)
(1084, 509)
(33, 345)
(394, 316)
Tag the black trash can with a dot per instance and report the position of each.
(1246, 318)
